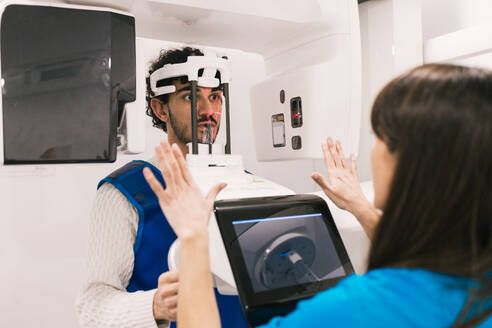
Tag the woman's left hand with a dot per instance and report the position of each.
(342, 185)
(186, 209)
(343, 188)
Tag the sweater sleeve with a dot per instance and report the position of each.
(104, 301)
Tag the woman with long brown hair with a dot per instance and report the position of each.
(430, 263)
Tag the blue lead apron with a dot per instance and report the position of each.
(155, 236)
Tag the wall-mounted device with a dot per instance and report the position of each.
(281, 250)
(67, 74)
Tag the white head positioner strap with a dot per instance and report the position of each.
(190, 68)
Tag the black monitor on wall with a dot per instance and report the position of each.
(66, 74)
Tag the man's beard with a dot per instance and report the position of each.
(180, 129)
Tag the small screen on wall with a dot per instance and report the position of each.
(62, 72)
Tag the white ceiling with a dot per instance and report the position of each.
(262, 26)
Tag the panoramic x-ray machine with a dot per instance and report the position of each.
(267, 244)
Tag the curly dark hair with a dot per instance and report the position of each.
(172, 56)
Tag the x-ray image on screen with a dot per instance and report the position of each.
(288, 250)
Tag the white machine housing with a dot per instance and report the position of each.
(328, 83)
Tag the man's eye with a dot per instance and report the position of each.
(187, 97)
(215, 98)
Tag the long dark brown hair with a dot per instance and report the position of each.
(437, 119)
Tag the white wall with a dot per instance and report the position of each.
(376, 25)
(465, 38)
(391, 41)
(445, 16)
(44, 231)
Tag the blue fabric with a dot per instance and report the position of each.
(385, 298)
(155, 236)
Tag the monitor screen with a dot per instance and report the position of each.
(63, 73)
(287, 250)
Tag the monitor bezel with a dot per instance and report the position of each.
(252, 208)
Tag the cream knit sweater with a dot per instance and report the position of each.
(104, 301)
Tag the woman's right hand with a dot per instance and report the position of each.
(342, 185)
(182, 202)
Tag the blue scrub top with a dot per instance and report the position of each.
(386, 298)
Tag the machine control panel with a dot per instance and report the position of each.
(296, 112)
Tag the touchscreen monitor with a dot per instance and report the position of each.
(281, 250)
(287, 250)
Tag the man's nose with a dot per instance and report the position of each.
(206, 107)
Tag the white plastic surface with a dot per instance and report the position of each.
(461, 46)
(210, 65)
(327, 95)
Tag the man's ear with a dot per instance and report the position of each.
(160, 109)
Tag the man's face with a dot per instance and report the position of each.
(209, 109)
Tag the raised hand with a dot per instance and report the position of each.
(342, 185)
(186, 209)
